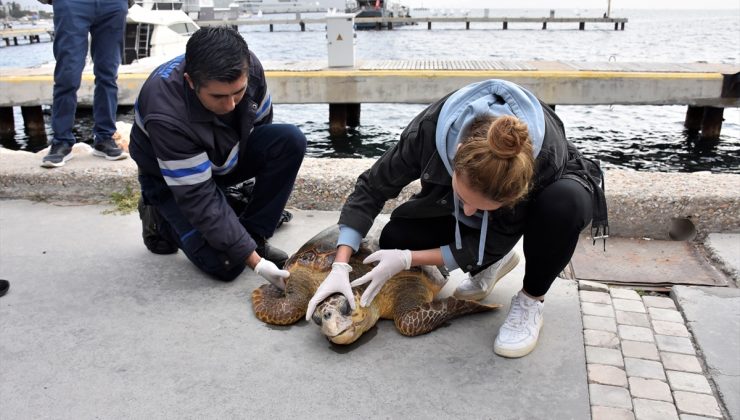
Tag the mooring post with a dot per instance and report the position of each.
(271, 27)
(303, 26)
(711, 123)
(353, 115)
(581, 26)
(429, 26)
(694, 115)
(390, 26)
(7, 123)
(337, 120)
(544, 25)
(467, 26)
(33, 120)
(506, 25)
(622, 25)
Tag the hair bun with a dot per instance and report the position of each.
(507, 136)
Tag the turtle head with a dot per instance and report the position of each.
(339, 323)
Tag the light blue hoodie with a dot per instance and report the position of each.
(489, 97)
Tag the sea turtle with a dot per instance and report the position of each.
(407, 298)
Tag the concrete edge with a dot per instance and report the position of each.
(641, 204)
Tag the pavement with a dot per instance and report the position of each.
(95, 326)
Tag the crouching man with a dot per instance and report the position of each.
(203, 123)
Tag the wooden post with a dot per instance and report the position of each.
(694, 115)
(33, 121)
(337, 120)
(429, 26)
(271, 27)
(303, 26)
(711, 123)
(616, 26)
(15, 40)
(506, 25)
(581, 26)
(544, 25)
(390, 26)
(353, 115)
(622, 25)
(467, 26)
(7, 123)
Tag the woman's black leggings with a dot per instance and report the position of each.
(556, 217)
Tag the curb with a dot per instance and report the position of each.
(641, 204)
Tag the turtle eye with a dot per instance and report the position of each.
(345, 308)
(316, 318)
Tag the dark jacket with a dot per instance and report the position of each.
(416, 156)
(179, 141)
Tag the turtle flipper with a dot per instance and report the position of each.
(430, 315)
(273, 306)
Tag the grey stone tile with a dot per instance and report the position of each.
(685, 381)
(595, 297)
(654, 410)
(597, 309)
(640, 350)
(674, 344)
(610, 396)
(603, 323)
(598, 338)
(619, 293)
(610, 413)
(632, 318)
(680, 362)
(604, 356)
(693, 403)
(644, 368)
(592, 286)
(693, 417)
(651, 389)
(633, 333)
(675, 329)
(606, 375)
(628, 305)
(659, 302)
(670, 315)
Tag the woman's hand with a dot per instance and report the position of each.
(390, 262)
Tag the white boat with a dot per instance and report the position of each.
(156, 35)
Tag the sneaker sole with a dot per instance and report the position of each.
(517, 353)
(47, 164)
(513, 262)
(122, 156)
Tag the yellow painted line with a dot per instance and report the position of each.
(538, 74)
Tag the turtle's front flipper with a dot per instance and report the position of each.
(273, 306)
(430, 315)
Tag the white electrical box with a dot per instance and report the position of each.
(340, 39)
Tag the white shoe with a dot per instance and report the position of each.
(479, 286)
(518, 336)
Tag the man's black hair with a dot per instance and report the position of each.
(216, 53)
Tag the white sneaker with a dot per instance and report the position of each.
(518, 336)
(479, 286)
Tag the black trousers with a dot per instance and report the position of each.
(556, 217)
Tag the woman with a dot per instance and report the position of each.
(494, 165)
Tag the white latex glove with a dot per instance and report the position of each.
(390, 262)
(336, 282)
(270, 272)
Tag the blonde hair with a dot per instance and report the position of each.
(495, 158)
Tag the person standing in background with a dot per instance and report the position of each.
(105, 22)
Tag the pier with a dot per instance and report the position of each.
(33, 35)
(706, 89)
(390, 22)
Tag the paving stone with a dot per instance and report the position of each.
(610, 396)
(693, 417)
(592, 286)
(604, 356)
(670, 315)
(640, 350)
(680, 362)
(685, 381)
(674, 344)
(651, 389)
(597, 309)
(595, 297)
(628, 305)
(632, 318)
(610, 413)
(624, 293)
(598, 338)
(659, 302)
(631, 332)
(603, 323)
(644, 368)
(606, 375)
(693, 403)
(670, 328)
(654, 410)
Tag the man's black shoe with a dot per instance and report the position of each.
(152, 232)
(269, 252)
(108, 149)
(4, 286)
(59, 153)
